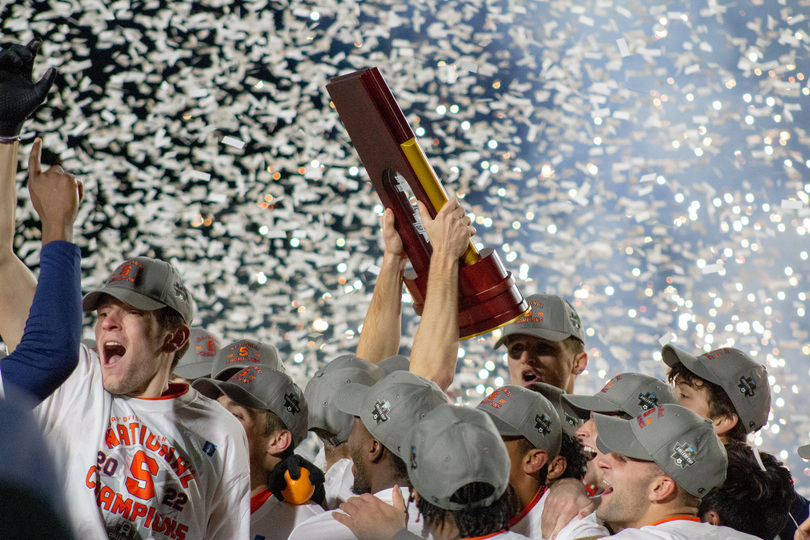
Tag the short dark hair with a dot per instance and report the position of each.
(477, 521)
(272, 423)
(574, 345)
(169, 319)
(719, 402)
(751, 500)
(574, 453)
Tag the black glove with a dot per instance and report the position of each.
(278, 483)
(19, 95)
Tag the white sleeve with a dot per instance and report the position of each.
(588, 528)
(230, 514)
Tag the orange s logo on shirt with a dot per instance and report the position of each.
(142, 485)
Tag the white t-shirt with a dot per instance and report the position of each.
(326, 527)
(338, 483)
(681, 529)
(169, 467)
(275, 519)
(527, 522)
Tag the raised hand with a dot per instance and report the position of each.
(55, 195)
(450, 230)
(19, 94)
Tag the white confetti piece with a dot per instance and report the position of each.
(669, 337)
(468, 66)
(623, 50)
(791, 204)
(712, 268)
(200, 175)
(648, 177)
(231, 141)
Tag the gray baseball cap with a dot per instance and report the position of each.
(681, 442)
(147, 284)
(520, 412)
(630, 393)
(241, 354)
(570, 422)
(199, 358)
(327, 383)
(744, 380)
(391, 406)
(260, 387)
(395, 363)
(550, 317)
(452, 447)
(804, 451)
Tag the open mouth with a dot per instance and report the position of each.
(113, 352)
(589, 452)
(529, 377)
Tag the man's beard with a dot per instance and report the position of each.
(362, 483)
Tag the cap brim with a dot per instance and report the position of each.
(549, 335)
(193, 371)
(207, 387)
(673, 356)
(582, 405)
(213, 389)
(504, 429)
(350, 398)
(804, 451)
(91, 300)
(616, 435)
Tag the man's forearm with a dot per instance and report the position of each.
(382, 327)
(8, 197)
(435, 346)
(49, 349)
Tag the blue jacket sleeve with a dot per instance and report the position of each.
(49, 349)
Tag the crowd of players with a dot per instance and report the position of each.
(156, 429)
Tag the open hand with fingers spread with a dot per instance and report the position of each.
(450, 230)
(19, 94)
(55, 195)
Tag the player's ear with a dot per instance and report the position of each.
(556, 468)
(662, 488)
(279, 441)
(175, 340)
(376, 451)
(711, 517)
(725, 422)
(580, 363)
(534, 460)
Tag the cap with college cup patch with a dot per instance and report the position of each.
(329, 381)
(681, 442)
(570, 421)
(452, 447)
(241, 354)
(199, 358)
(391, 406)
(744, 380)
(147, 284)
(630, 393)
(519, 412)
(550, 317)
(260, 387)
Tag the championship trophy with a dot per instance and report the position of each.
(399, 170)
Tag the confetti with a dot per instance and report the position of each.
(551, 133)
(790, 204)
(623, 50)
(230, 141)
(669, 337)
